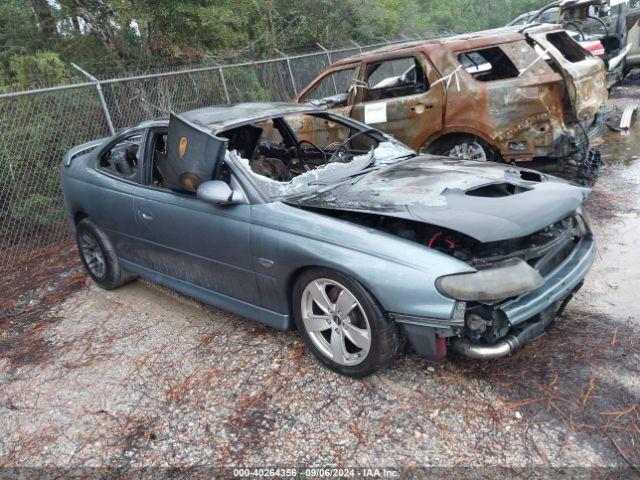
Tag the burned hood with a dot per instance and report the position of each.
(486, 201)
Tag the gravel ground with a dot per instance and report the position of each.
(144, 377)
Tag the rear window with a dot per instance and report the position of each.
(488, 64)
(569, 49)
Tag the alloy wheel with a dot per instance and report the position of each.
(336, 322)
(469, 151)
(92, 254)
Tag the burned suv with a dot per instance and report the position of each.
(500, 95)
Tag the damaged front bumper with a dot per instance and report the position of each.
(526, 316)
(530, 314)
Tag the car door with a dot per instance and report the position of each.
(401, 96)
(334, 90)
(184, 238)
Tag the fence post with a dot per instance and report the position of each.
(224, 85)
(335, 86)
(293, 81)
(103, 102)
(357, 45)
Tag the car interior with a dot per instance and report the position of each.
(283, 148)
(279, 149)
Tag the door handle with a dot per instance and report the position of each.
(145, 215)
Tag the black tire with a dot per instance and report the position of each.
(386, 338)
(444, 146)
(111, 275)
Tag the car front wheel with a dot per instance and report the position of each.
(342, 324)
(99, 257)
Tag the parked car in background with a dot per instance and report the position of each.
(296, 217)
(509, 94)
(610, 25)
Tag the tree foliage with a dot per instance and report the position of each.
(111, 35)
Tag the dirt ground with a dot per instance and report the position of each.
(144, 377)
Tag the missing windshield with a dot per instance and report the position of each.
(300, 153)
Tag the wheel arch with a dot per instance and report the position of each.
(78, 216)
(460, 132)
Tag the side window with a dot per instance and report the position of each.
(394, 78)
(488, 64)
(333, 89)
(123, 158)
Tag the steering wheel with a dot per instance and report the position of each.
(340, 154)
(301, 153)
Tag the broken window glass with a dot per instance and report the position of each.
(316, 151)
(123, 158)
(488, 64)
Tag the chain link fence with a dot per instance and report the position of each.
(37, 127)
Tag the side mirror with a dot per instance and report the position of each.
(216, 192)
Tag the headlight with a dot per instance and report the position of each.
(509, 278)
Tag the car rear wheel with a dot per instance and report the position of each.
(464, 147)
(99, 257)
(342, 324)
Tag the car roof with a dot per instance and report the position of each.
(220, 117)
(497, 36)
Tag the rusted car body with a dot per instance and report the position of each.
(507, 94)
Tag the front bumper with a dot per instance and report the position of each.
(526, 316)
(558, 284)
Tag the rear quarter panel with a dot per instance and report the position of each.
(527, 108)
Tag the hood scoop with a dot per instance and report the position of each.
(496, 190)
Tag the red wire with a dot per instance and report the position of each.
(434, 238)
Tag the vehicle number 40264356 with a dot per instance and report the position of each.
(317, 472)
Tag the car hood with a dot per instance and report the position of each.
(487, 201)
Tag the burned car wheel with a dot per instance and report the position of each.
(342, 324)
(464, 147)
(99, 257)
